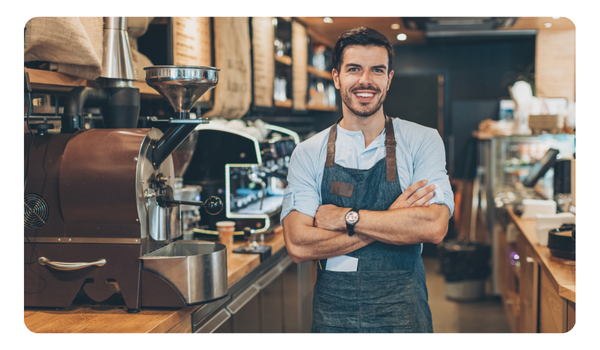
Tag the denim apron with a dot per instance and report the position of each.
(387, 293)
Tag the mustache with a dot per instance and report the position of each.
(365, 87)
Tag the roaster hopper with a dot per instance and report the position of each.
(100, 215)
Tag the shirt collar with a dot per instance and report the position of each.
(378, 142)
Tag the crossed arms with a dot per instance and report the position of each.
(409, 220)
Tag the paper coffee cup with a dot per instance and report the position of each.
(226, 231)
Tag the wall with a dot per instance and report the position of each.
(555, 64)
(476, 73)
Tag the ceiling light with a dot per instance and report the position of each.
(395, 26)
(401, 37)
(327, 20)
(547, 25)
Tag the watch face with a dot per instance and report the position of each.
(352, 217)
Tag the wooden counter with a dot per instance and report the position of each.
(561, 272)
(537, 289)
(115, 319)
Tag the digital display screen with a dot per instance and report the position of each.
(540, 168)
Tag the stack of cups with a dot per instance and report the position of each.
(226, 231)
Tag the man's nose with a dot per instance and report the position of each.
(366, 78)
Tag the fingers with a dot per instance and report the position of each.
(414, 187)
(420, 194)
(416, 195)
(423, 201)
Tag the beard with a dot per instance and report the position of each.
(362, 109)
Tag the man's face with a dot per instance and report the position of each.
(363, 79)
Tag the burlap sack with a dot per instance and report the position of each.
(233, 93)
(74, 43)
(136, 27)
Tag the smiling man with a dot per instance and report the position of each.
(362, 198)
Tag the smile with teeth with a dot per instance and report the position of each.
(364, 94)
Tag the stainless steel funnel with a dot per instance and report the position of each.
(182, 86)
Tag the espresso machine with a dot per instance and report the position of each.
(247, 174)
(101, 217)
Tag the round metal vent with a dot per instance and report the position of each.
(36, 211)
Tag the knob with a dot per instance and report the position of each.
(247, 233)
(213, 205)
(42, 128)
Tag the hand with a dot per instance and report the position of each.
(413, 198)
(331, 217)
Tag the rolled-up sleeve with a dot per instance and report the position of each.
(302, 193)
(430, 164)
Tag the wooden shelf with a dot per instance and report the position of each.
(284, 104)
(49, 80)
(320, 73)
(44, 80)
(286, 60)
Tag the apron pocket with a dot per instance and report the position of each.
(335, 302)
(387, 301)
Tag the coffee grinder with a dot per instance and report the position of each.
(100, 212)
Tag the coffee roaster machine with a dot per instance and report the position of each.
(101, 216)
(246, 173)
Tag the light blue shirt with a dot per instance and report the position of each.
(420, 155)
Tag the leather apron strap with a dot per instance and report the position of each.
(390, 148)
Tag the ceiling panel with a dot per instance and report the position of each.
(328, 33)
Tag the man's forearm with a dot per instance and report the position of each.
(311, 243)
(394, 226)
(405, 226)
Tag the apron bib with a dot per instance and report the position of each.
(387, 293)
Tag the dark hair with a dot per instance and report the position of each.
(360, 36)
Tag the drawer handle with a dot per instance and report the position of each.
(269, 277)
(529, 259)
(68, 266)
(244, 298)
(215, 322)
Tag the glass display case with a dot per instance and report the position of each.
(503, 163)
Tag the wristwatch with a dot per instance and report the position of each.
(351, 220)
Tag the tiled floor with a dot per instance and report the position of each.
(485, 316)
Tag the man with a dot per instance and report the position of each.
(358, 201)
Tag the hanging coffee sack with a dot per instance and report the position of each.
(192, 45)
(70, 45)
(233, 94)
(300, 67)
(136, 27)
(263, 36)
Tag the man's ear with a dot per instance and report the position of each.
(390, 76)
(336, 78)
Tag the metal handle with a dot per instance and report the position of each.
(67, 266)
(243, 299)
(214, 323)
(269, 277)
